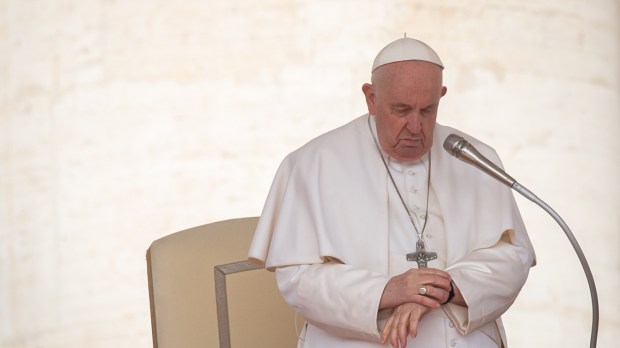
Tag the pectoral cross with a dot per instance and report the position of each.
(421, 256)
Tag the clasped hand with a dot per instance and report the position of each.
(402, 293)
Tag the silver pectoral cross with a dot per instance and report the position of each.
(421, 256)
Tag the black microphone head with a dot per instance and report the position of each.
(454, 144)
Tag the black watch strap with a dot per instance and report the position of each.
(451, 293)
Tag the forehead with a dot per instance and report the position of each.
(409, 79)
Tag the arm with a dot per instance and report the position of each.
(491, 279)
(335, 297)
(347, 299)
(488, 281)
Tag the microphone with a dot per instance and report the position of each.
(458, 147)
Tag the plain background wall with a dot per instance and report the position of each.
(124, 121)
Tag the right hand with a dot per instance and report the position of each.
(404, 288)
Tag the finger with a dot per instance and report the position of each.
(438, 294)
(426, 301)
(387, 332)
(400, 324)
(403, 328)
(441, 283)
(433, 272)
(436, 281)
(394, 338)
(403, 332)
(413, 326)
(387, 328)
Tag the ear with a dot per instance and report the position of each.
(444, 90)
(369, 93)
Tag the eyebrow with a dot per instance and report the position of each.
(407, 106)
(430, 106)
(401, 106)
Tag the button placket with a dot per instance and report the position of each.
(452, 334)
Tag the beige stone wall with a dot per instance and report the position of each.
(123, 121)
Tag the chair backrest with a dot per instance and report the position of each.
(182, 272)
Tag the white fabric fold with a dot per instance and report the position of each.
(328, 204)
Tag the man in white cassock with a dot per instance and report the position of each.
(378, 236)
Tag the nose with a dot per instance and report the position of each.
(414, 123)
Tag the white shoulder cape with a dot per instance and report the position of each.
(329, 201)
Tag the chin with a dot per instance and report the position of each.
(409, 156)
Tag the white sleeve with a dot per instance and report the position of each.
(338, 298)
(489, 280)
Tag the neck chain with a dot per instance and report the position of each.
(420, 233)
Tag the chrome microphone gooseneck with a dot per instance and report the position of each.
(458, 147)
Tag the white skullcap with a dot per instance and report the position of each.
(406, 49)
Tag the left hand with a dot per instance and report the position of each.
(403, 321)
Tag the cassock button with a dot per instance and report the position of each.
(411, 172)
(413, 189)
(453, 342)
(451, 323)
(429, 236)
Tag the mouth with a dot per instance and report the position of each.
(410, 142)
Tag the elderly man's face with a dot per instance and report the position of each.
(404, 98)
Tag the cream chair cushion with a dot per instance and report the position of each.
(182, 291)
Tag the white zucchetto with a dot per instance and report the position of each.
(406, 49)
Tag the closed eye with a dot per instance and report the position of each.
(429, 110)
(401, 109)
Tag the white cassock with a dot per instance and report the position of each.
(335, 231)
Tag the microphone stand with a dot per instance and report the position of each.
(584, 263)
(458, 147)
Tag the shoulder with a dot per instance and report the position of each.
(337, 142)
